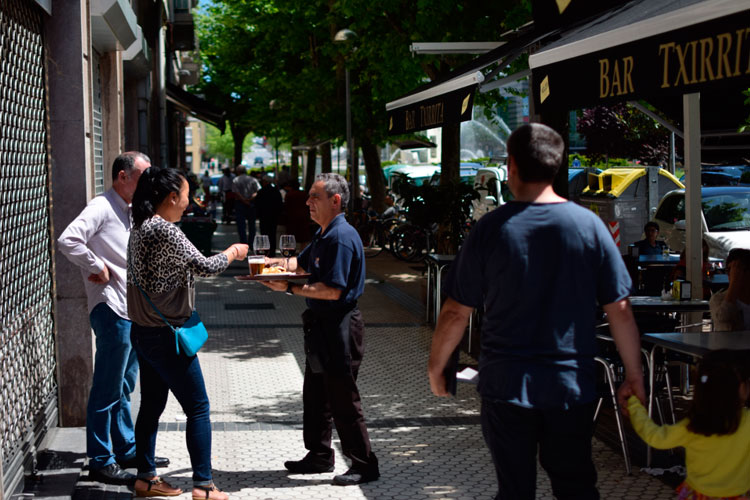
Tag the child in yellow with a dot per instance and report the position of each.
(715, 434)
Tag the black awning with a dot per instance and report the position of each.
(414, 143)
(196, 106)
(444, 101)
(646, 49)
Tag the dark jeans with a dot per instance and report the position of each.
(163, 370)
(563, 437)
(332, 397)
(109, 425)
(245, 222)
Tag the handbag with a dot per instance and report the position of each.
(191, 335)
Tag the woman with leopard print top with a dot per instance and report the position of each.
(163, 263)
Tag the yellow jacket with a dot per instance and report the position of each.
(717, 466)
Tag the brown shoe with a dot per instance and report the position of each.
(156, 487)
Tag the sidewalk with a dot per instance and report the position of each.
(428, 447)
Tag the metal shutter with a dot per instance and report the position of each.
(28, 389)
(97, 125)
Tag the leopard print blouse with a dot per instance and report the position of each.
(164, 263)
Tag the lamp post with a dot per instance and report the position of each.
(272, 105)
(344, 36)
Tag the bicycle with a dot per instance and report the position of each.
(374, 230)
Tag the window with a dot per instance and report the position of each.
(672, 209)
(188, 136)
(189, 159)
(727, 212)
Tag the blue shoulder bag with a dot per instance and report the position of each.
(191, 335)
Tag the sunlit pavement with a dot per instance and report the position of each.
(428, 447)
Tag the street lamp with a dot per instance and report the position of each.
(272, 105)
(344, 36)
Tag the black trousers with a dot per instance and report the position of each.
(563, 437)
(332, 398)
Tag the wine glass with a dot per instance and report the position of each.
(288, 247)
(261, 244)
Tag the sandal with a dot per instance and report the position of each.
(157, 487)
(208, 490)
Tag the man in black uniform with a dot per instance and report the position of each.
(334, 334)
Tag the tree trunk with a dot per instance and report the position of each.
(375, 177)
(294, 169)
(450, 161)
(325, 158)
(238, 136)
(310, 171)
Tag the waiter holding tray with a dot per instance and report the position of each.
(334, 337)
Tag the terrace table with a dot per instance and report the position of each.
(691, 343)
(436, 264)
(641, 303)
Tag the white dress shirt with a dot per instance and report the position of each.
(98, 237)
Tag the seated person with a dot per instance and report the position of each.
(680, 270)
(649, 245)
(730, 308)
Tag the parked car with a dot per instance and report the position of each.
(725, 218)
(723, 175)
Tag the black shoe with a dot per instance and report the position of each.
(308, 465)
(359, 473)
(111, 474)
(356, 476)
(131, 463)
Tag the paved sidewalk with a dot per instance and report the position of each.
(428, 447)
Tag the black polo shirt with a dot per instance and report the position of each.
(336, 259)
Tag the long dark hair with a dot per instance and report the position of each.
(154, 186)
(717, 406)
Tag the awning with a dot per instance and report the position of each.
(196, 106)
(414, 143)
(450, 99)
(646, 49)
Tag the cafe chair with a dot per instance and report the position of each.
(609, 373)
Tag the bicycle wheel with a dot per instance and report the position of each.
(408, 243)
(372, 241)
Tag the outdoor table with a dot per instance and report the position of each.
(691, 343)
(436, 264)
(657, 304)
(658, 260)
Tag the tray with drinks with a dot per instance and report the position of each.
(272, 276)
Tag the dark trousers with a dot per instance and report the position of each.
(245, 215)
(268, 227)
(563, 437)
(332, 397)
(163, 370)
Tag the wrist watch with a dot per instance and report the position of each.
(289, 290)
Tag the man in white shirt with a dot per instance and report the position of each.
(97, 241)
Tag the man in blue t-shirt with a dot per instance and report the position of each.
(334, 335)
(538, 266)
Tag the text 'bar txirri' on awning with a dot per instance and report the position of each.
(450, 100)
(646, 49)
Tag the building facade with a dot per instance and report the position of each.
(81, 81)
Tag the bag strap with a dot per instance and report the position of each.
(176, 341)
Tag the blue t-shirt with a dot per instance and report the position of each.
(645, 248)
(538, 270)
(336, 259)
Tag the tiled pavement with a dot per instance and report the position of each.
(428, 447)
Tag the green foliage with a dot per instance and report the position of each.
(600, 163)
(621, 130)
(219, 145)
(746, 126)
(387, 163)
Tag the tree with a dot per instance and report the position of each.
(220, 145)
(621, 130)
